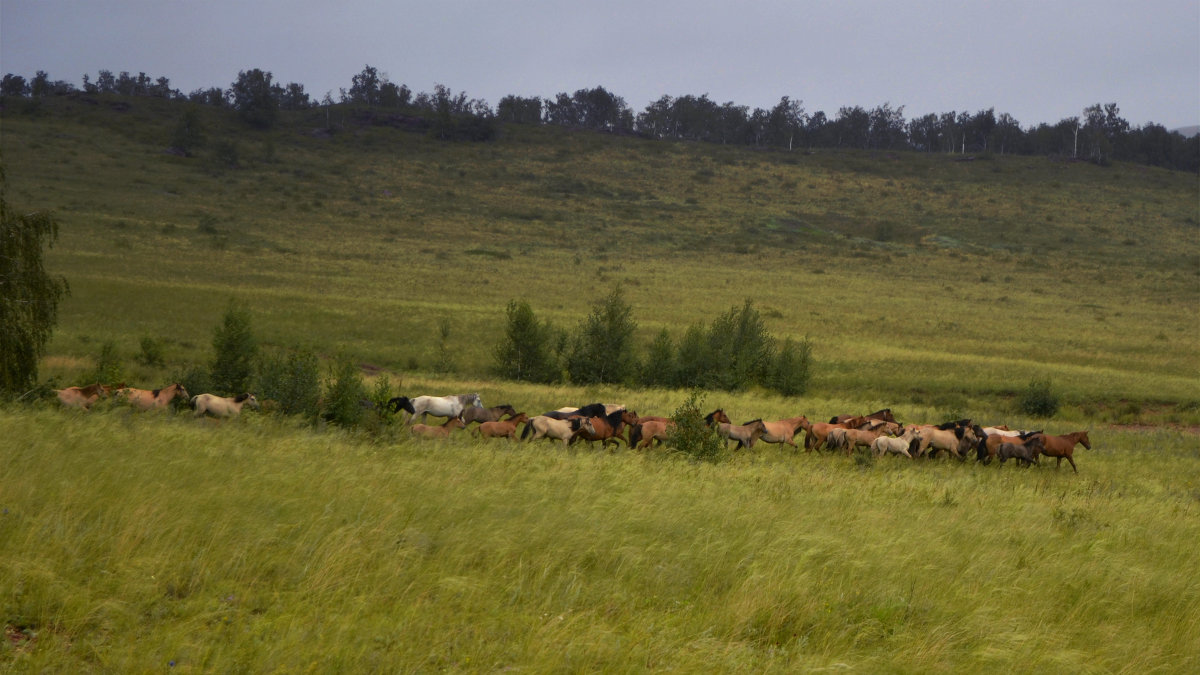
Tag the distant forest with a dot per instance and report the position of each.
(1099, 134)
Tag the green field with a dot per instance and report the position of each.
(936, 287)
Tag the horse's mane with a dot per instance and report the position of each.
(709, 417)
(241, 397)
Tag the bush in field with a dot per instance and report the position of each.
(742, 349)
(690, 435)
(525, 353)
(602, 351)
(236, 349)
(292, 380)
(658, 370)
(344, 395)
(693, 359)
(108, 366)
(1038, 399)
(151, 353)
(792, 368)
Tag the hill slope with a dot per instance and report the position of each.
(918, 277)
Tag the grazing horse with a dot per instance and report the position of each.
(220, 406)
(1026, 452)
(84, 397)
(604, 429)
(144, 399)
(492, 414)
(548, 427)
(506, 428)
(783, 431)
(745, 434)
(442, 406)
(1064, 446)
(440, 431)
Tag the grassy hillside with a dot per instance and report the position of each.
(916, 276)
(136, 543)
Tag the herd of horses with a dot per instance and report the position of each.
(611, 424)
(83, 398)
(878, 433)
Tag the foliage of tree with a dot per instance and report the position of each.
(525, 352)
(188, 135)
(292, 379)
(255, 98)
(235, 349)
(602, 349)
(1039, 399)
(344, 395)
(690, 435)
(29, 296)
(791, 370)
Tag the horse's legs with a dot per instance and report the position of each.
(1072, 461)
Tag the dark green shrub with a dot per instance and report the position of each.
(235, 351)
(1038, 399)
(152, 354)
(525, 352)
(292, 380)
(658, 370)
(345, 393)
(602, 351)
(791, 370)
(108, 366)
(691, 436)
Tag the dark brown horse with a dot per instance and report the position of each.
(492, 414)
(1063, 446)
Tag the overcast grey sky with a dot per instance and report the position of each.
(1038, 60)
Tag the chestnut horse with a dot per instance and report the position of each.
(84, 397)
(439, 431)
(506, 428)
(1064, 446)
(605, 429)
(144, 399)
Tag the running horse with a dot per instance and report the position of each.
(145, 399)
(784, 431)
(84, 397)
(442, 406)
(1064, 446)
(221, 406)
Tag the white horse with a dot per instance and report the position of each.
(893, 444)
(442, 406)
(220, 406)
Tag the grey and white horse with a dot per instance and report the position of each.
(443, 406)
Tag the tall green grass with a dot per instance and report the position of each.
(131, 542)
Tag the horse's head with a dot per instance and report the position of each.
(519, 418)
(251, 400)
(474, 400)
(1083, 438)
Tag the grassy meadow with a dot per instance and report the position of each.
(933, 285)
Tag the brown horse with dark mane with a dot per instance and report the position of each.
(145, 399)
(1063, 446)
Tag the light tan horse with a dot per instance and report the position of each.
(439, 431)
(502, 428)
(84, 397)
(784, 431)
(144, 399)
(221, 406)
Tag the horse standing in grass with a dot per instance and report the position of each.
(221, 406)
(1061, 447)
(144, 399)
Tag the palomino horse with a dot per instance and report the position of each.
(783, 431)
(744, 434)
(548, 427)
(1063, 446)
(492, 414)
(84, 397)
(440, 431)
(144, 399)
(221, 406)
(442, 406)
(506, 428)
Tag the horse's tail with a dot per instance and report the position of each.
(192, 400)
(526, 431)
(635, 435)
(981, 451)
